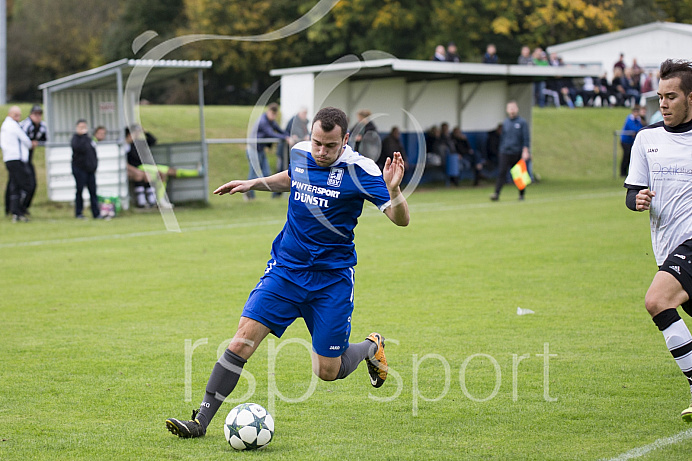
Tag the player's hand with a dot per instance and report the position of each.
(393, 171)
(234, 186)
(643, 199)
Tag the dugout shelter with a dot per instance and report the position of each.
(105, 96)
(415, 95)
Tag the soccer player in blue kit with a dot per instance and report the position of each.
(660, 181)
(310, 273)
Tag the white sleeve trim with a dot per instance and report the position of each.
(385, 205)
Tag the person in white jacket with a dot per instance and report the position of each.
(15, 145)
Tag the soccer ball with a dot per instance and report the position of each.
(248, 427)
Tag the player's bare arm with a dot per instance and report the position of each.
(279, 182)
(643, 199)
(393, 173)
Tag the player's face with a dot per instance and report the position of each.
(674, 104)
(327, 146)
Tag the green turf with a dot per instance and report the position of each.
(96, 318)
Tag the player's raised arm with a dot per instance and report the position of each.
(279, 182)
(392, 174)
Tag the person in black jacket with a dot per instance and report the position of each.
(84, 163)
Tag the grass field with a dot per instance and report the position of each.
(99, 319)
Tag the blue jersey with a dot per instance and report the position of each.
(324, 207)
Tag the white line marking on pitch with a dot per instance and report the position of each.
(133, 234)
(660, 443)
(419, 208)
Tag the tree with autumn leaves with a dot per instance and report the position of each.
(48, 39)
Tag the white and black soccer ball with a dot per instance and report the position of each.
(248, 427)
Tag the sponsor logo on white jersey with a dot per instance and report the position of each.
(335, 176)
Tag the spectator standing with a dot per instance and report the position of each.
(525, 58)
(554, 60)
(633, 123)
(84, 164)
(440, 53)
(620, 64)
(37, 131)
(15, 145)
(636, 73)
(490, 56)
(297, 129)
(647, 83)
(366, 141)
(539, 59)
(514, 146)
(266, 127)
(452, 54)
(390, 144)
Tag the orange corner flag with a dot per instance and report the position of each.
(520, 175)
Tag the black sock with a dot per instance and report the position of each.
(222, 381)
(355, 354)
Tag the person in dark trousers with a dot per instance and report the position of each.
(514, 146)
(15, 146)
(633, 123)
(84, 164)
(36, 129)
(265, 128)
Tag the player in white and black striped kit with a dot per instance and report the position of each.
(660, 180)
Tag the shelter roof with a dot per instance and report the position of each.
(655, 27)
(416, 70)
(103, 77)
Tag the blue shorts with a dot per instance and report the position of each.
(324, 299)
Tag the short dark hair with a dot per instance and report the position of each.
(81, 120)
(274, 107)
(682, 69)
(100, 127)
(331, 117)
